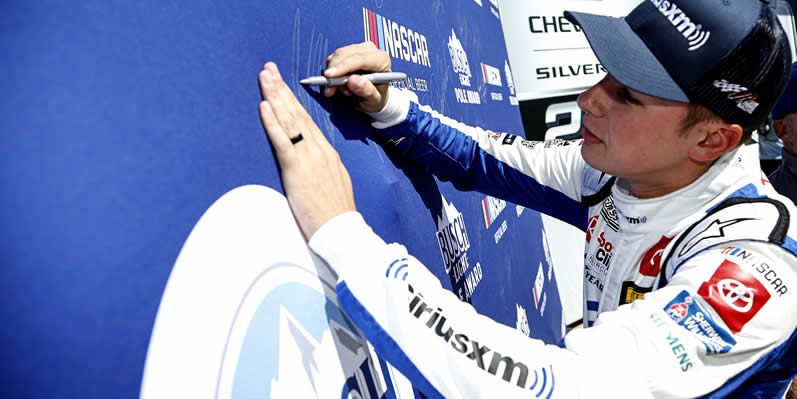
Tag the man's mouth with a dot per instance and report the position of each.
(588, 136)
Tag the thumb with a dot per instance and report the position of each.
(371, 97)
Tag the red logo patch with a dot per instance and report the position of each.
(735, 294)
(651, 262)
(593, 221)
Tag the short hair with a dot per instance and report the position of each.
(696, 113)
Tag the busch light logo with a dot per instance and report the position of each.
(459, 59)
(453, 239)
(690, 315)
(454, 244)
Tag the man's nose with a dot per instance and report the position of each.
(593, 100)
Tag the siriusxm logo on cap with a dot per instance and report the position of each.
(694, 33)
(680, 48)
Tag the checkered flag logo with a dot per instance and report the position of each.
(745, 100)
(727, 87)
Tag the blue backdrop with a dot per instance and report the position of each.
(124, 121)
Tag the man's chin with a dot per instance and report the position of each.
(593, 158)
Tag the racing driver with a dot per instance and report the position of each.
(698, 298)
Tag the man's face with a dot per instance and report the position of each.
(632, 135)
(786, 130)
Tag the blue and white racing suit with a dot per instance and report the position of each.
(685, 295)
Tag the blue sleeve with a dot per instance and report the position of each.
(544, 176)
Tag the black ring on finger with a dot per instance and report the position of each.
(297, 138)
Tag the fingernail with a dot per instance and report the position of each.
(328, 91)
(330, 71)
(267, 79)
(275, 73)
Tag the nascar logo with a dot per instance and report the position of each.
(491, 75)
(397, 40)
(492, 207)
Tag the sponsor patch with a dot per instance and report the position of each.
(651, 261)
(735, 294)
(609, 213)
(509, 139)
(601, 260)
(689, 314)
(557, 143)
(497, 364)
(630, 292)
(637, 220)
(745, 99)
(593, 221)
(760, 266)
(677, 348)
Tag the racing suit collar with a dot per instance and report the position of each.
(649, 215)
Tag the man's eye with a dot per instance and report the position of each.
(626, 96)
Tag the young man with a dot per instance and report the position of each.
(698, 298)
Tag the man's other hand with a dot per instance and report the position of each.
(316, 183)
(359, 58)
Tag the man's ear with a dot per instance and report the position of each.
(717, 140)
(779, 126)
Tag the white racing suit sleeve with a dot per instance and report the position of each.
(684, 340)
(441, 344)
(708, 330)
(550, 177)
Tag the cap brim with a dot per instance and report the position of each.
(626, 57)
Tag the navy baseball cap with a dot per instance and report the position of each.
(788, 101)
(731, 56)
